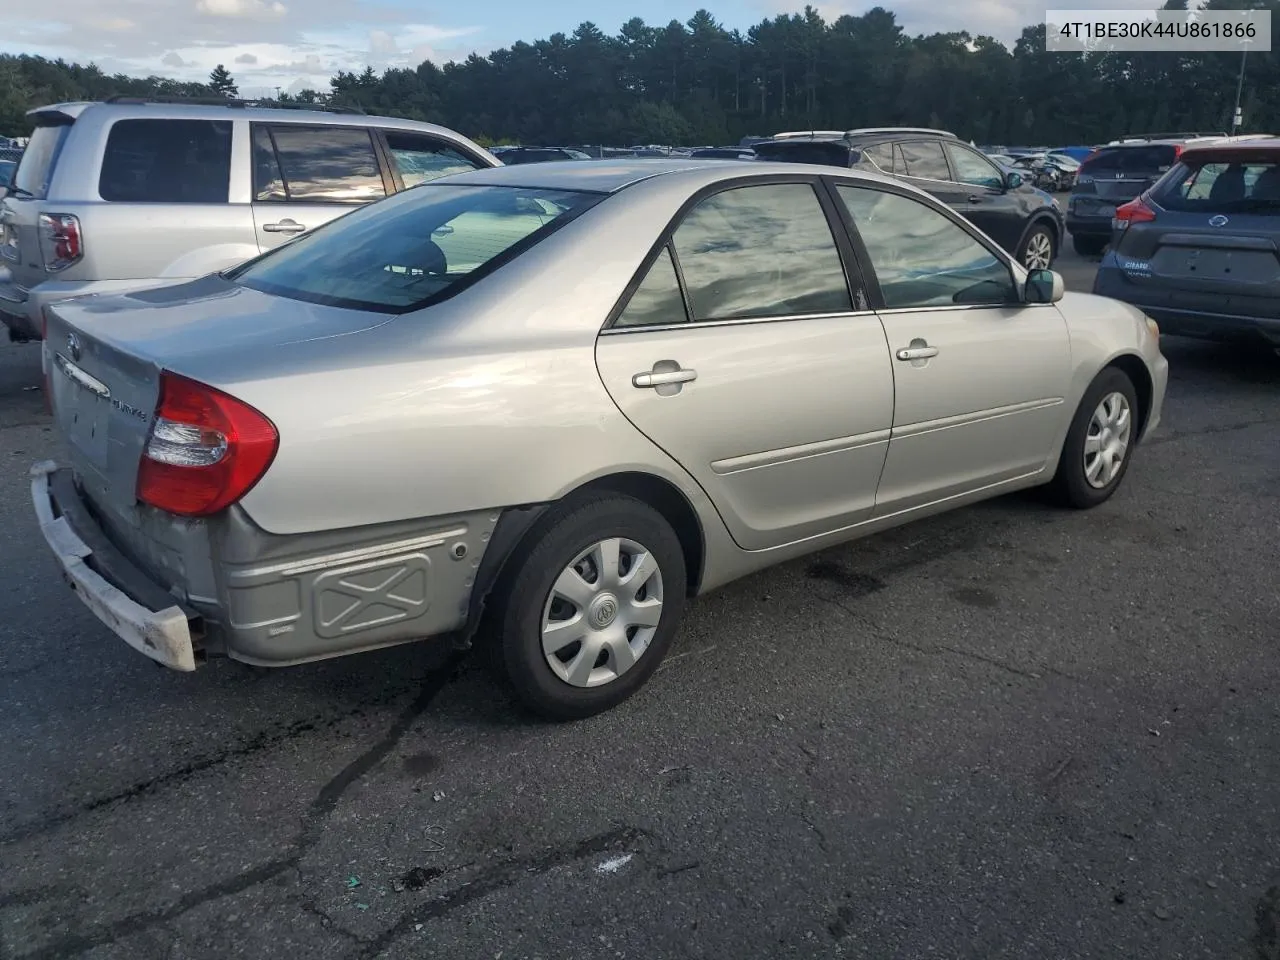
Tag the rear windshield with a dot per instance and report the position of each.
(35, 169)
(1146, 159)
(411, 249)
(1251, 186)
(824, 152)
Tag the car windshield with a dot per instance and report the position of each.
(414, 248)
(1223, 186)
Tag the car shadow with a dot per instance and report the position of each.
(1243, 363)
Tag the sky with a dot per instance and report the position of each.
(296, 44)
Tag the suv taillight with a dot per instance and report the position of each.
(1135, 211)
(61, 244)
(206, 449)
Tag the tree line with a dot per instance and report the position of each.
(699, 83)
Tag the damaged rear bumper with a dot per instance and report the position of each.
(133, 606)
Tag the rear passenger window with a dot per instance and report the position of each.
(419, 159)
(925, 160)
(882, 155)
(658, 299)
(328, 164)
(763, 251)
(167, 161)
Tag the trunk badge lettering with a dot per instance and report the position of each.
(73, 346)
(1218, 221)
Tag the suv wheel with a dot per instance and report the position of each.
(1037, 249)
(1089, 246)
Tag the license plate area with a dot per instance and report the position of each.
(1223, 266)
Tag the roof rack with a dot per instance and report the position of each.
(241, 104)
(1146, 137)
(929, 130)
(800, 134)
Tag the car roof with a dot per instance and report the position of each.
(1268, 149)
(178, 110)
(610, 176)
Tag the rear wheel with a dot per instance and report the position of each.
(1097, 450)
(1037, 248)
(1089, 246)
(592, 607)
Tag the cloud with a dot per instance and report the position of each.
(115, 24)
(171, 59)
(242, 9)
(247, 58)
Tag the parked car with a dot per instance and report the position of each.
(1198, 250)
(6, 174)
(311, 454)
(1024, 220)
(1115, 174)
(517, 155)
(130, 193)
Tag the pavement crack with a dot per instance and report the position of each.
(499, 877)
(323, 805)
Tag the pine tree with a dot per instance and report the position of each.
(222, 83)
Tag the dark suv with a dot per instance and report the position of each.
(1025, 221)
(1114, 175)
(1200, 251)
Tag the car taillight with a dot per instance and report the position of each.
(61, 244)
(1135, 211)
(206, 449)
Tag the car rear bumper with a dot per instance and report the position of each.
(136, 609)
(1089, 226)
(1207, 316)
(264, 599)
(21, 308)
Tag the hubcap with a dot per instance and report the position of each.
(602, 613)
(1107, 441)
(1039, 252)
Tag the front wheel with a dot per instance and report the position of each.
(592, 607)
(1037, 249)
(1096, 453)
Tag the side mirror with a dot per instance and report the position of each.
(1013, 180)
(1044, 286)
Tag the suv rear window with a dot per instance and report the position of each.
(827, 153)
(167, 161)
(1144, 159)
(414, 248)
(35, 169)
(1224, 186)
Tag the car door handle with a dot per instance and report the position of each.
(663, 377)
(284, 226)
(975, 198)
(917, 353)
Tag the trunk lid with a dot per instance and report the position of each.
(105, 356)
(1118, 174)
(1181, 252)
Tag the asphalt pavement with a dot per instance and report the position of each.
(1012, 731)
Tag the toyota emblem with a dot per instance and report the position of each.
(73, 346)
(1218, 221)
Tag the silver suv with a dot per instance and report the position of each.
(128, 194)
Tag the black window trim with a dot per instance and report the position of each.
(388, 185)
(872, 280)
(390, 170)
(592, 198)
(102, 161)
(945, 159)
(853, 275)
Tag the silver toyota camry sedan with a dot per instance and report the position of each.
(540, 407)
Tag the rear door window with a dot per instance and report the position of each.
(882, 156)
(322, 164)
(167, 161)
(925, 160)
(35, 169)
(418, 158)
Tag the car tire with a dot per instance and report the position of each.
(1086, 475)
(1088, 246)
(1040, 241)
(569, 546)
